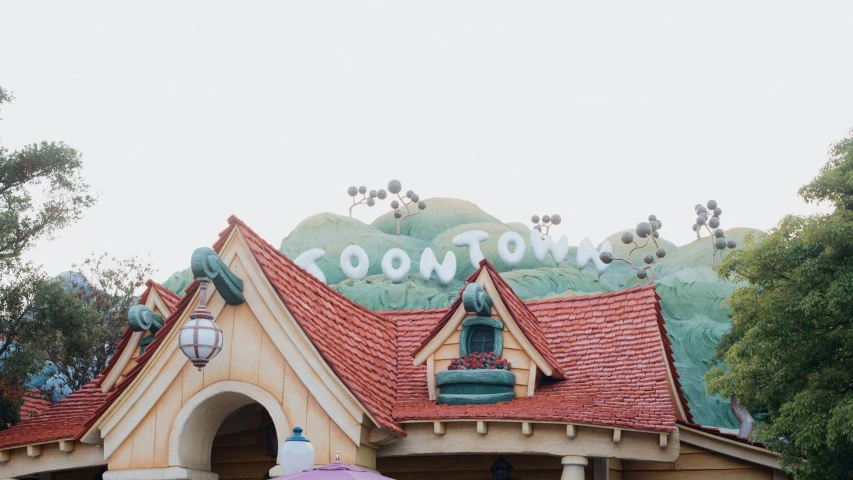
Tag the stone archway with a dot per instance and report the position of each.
(195, 427)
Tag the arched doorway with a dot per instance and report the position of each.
(223, 415)
(245, 446)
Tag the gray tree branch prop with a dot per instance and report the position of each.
(709, 217)
(649, 231)
(367, 198)
(543, 225)
(401, 206)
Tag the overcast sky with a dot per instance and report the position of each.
(187, 112)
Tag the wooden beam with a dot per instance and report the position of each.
(66, 445)
(663, 440)
(617, 435)
(527, 428)
(531, 380)
(482, 427)
(438, 428)
(431, 377)
(5, 455)
(33, 450)
(571, 431)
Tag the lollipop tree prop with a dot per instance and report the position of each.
(650, 232)
(544, 224)
(403, 202)
(708, 216)
(367, 198)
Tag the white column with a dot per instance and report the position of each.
(573, 467)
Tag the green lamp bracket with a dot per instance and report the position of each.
(207, 264)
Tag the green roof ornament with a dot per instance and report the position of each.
(142, 318)
(475, 300)
(207, 264)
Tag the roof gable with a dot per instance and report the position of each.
(521, 323)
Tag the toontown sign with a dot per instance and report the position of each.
(209, 385)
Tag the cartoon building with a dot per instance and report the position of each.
(589, 390)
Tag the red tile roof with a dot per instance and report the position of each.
(75, 414)
(170, 298)
(357, 343)
(609, 346)
(34, 403)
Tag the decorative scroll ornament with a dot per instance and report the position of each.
(475, 300)
(200, 338)
(142, 318)
(207, 264)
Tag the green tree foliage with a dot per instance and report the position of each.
(789, 354)
(62, 328)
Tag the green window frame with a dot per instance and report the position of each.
(478, 333)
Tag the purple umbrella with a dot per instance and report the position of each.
(334, 471)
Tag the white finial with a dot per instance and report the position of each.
(337, 456)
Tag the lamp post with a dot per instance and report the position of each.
(297, 454)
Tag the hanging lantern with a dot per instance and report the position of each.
(200, 338)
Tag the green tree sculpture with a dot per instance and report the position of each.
(709, 217)
(789, 355)
(650, 232)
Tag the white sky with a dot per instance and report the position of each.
(603, 112)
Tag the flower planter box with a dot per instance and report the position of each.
(463, 387)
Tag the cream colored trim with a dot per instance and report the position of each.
(513, 327)
(717, 444)
(193, 431)
(171, 473)
(531, 379)
(51, 459)
(156, 302)
(571, 431)
(438, 428)
(33, 450)
(527, 428)
(617, 435)
(66, 446)
(431, 377)
(482, 427)
(673, 391)
(5, 455)
(543, 422)
(121, 363)
(663, 439)
(548, 439)
(574, 460)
